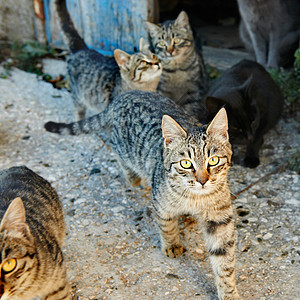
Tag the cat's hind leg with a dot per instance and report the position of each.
(80, 110)
(131, 177)
(273, 51)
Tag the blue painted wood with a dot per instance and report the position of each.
(104, 24)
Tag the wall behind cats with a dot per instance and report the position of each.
(16, 20)
(104, 24)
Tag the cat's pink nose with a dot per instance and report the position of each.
(202, 177)
(171, 50)
(202, 181)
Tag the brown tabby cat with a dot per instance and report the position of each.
(31, 233)
(95, 79)
(184, 78)
(185, 165)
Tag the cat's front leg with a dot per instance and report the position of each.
(220, 241)
(273, 53)
(169, 234)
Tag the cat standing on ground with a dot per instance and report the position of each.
(184, 78)
(96, 79)
(31, 233)
(270, 30)
(253, 102)
(185, 165)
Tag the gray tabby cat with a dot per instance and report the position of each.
(31, 233)
(184, 78)
(270, 30)
(185, 165)
(96, 79)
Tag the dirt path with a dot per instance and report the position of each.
(112, 245)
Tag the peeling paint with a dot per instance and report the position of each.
(104, 24)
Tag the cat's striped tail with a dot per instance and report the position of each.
(94, 124)
(71, 35)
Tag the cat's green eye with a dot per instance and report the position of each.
(214, 160)
(9, 265)
(177, 40)
(186, 164)
(162, 43)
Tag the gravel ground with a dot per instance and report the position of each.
(112, 247)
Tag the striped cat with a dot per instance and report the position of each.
(95, 79)
(186, 166)
(31, 233)
(184, 78)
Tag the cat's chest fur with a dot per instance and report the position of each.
(180, 80)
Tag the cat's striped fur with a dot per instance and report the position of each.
(151, 145)
(95, 79)
(184, 78)
(31, 233)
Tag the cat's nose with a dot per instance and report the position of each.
(171, 50)
(202, 177)
(202, 181)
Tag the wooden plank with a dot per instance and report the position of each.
(223, 59)
(104, 24)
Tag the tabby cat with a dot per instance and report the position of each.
(95, 79)
(186, 166)
(253, 102)
(31, 233)
(270, 30)
(184, 78)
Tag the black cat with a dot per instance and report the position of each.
(253, 102)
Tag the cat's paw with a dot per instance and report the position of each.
(173, 251)
(251, 162)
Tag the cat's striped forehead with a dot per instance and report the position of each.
(146, 55)
(170, 30)
(199, 144)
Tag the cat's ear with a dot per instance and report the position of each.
(171, 130)
(143, 45)
(183, 20)
(14, 220)
(152, 28)
(219, 124)
(213, 104)
(122, 58)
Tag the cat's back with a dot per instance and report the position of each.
(91, 63)
(143, 107)
(42, 206)
(240, 72)
(261, 78)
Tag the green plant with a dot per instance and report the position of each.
(289, 80)
(26, 56)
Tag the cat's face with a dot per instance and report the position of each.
(17, 267)
(18, 259)
(172, 40)
(198, 162)
(141, 70)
